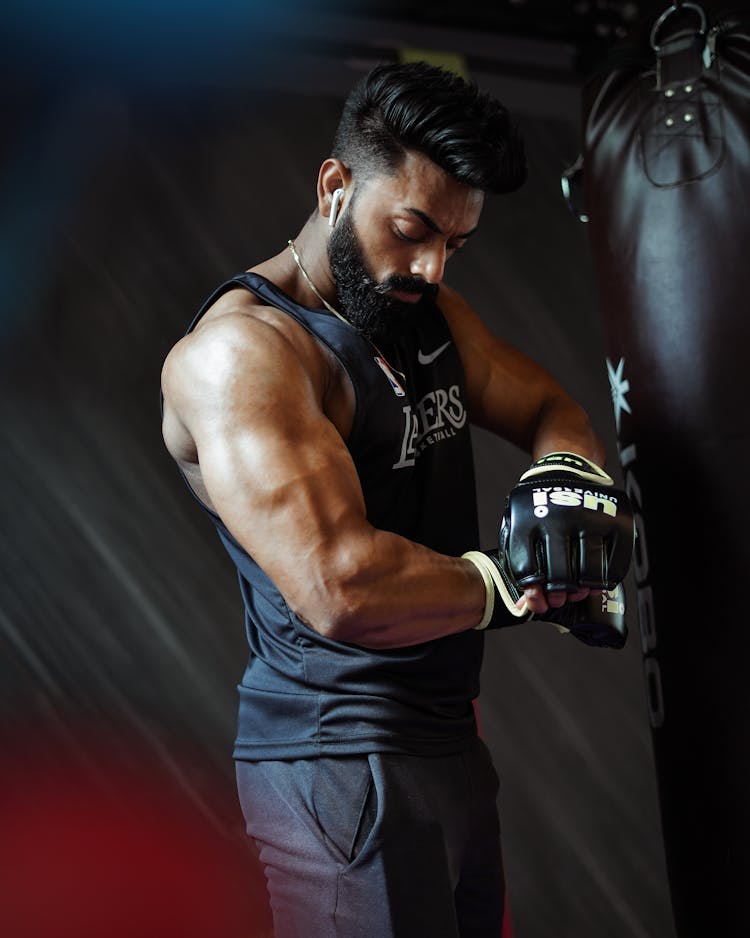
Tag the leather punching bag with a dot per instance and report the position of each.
(666, 168)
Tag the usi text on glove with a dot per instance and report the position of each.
(572, 498)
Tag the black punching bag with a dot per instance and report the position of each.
(666, 168)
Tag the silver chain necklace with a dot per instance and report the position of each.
(312, 286)
(330, 308)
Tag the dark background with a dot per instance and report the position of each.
(146, 158)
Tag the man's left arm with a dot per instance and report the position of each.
(512, 396)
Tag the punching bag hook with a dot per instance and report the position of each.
(670, 11)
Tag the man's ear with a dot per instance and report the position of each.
(333, 175)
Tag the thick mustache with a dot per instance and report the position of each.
(408, 285)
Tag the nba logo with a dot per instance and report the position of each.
(383, 365)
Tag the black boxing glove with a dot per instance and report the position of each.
(597, 620)
(566, 525)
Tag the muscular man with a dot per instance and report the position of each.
(319, 409)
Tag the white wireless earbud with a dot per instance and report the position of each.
(335, 202)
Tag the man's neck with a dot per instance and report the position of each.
(312, 249)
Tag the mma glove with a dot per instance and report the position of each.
(565, 526)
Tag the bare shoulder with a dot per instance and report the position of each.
(459, 314)
(475, 343)
(241, 357)
(234, 332)
(507, 391)
(473, 338)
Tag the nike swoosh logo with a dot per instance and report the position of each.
(429, 359)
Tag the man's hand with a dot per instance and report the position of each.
(597, 619)
(540, 602)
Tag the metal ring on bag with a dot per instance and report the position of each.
(567, 180)
(676, 8)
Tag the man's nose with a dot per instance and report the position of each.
(429, 263)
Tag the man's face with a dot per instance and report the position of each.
(389, 247)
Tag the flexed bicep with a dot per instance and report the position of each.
(274, 467)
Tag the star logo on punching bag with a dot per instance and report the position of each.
(619, 386)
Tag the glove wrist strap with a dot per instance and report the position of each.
(489, 588)
(494, 587)
(571, 463)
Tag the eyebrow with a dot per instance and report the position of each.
(432, 224)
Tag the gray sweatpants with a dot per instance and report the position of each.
(378, 846)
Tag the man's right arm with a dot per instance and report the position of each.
(281, 478)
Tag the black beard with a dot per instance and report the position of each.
(364, 302)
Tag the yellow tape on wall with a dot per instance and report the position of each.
(451, 61)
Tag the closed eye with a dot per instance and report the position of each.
(451, 248)
(405, 237)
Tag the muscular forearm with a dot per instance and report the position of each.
(380, 590)
(563, 426)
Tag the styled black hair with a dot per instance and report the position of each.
(417, 106)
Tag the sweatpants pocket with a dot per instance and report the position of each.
(345, 803)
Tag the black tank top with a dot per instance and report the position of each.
(305, 695)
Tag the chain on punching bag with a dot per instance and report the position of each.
(666, 168)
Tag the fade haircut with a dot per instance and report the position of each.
(417, 106)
